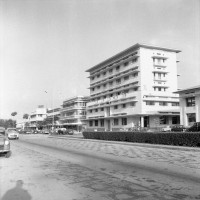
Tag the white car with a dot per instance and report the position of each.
(12, 133)
(166, 129)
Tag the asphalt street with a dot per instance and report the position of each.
(73, 168)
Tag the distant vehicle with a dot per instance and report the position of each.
(194, 128)
(12, 133)
(4, 143)
(178, 128)
(166, 129)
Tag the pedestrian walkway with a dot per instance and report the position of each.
(187, 157)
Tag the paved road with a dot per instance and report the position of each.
(76, 169)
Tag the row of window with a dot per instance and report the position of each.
(118, 81)
(81, 112)
(117, 68)
(161, 103)
(160, 89)
(132, 104)
(101, 122)
(74, 104)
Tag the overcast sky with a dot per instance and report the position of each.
(46, 45)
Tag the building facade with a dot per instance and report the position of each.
(189, 105)
(53, 118)
(37, 116)
(134, 88)
(73, 113)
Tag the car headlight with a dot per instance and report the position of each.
(6, 142)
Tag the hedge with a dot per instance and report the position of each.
(191, 139)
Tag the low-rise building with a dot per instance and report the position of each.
(73, 112)
(189, 105)
(37, 116)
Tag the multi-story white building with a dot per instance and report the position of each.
(37, 116)
(134, 88)
(73, 112)
(53, 116)
(189, 105)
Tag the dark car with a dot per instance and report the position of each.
(194, 128)
(4, 143)
(178, 128)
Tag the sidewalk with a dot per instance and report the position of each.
(160, 146)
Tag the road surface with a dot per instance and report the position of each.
(43, 167)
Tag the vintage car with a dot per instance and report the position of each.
(178, 128)
(12, 133)
(194, 128)
(4, 143)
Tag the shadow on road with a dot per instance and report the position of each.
(17, 193)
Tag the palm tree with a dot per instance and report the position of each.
(13, 114)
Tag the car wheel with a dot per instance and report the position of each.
(8, 154)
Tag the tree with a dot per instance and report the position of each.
(25, 116)
(14, 114)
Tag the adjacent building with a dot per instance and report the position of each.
(53, 118)
(134, 88)
(73, 113)
(37, 116)
(189, 105)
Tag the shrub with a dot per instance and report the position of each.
(191, 139)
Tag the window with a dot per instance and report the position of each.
(190, 101)
(96, 122)
(102, 122)
(110, 71)
(116, 107)
(91, 123)
(123, 105)
(176, 120)
(134, 60)
(104, 73)
(116, 122)
(159, 89)
(92, 78)
(96, 110)
(150, 103)
(104, 85)
(132, 104)
(163, 120)
(110, 83)
(191, 117)
(175, 104)
(124, 121)
(118, 81)
(93, 89)
(90, 111)
(102, 109)
(98, 87)
(162, 103)
(98, 75)
(126, 78)
(126, 64)
(117, 68)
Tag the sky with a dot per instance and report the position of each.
(47, 45)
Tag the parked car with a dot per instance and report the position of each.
(12, 133)
(178, 128)
(4, 143)
(194, 128)
(166, 129)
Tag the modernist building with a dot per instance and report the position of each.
(53, 116)
(189, 105)
(37, 116)
(73, 112)
(134, 88)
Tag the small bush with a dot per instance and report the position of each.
(191, 139)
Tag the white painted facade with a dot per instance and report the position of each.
(189, 105)
(37, 116)
(134, 88)
(73, 112)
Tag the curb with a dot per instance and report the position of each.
(158, 146)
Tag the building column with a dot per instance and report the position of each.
(142, 121)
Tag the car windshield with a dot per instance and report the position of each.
(2, 131)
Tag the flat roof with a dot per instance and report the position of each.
(134, 47)
(187, 89)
